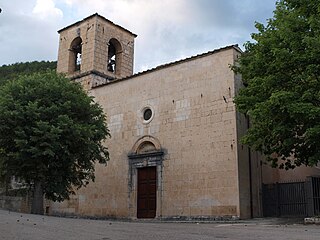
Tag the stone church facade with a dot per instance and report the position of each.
(175, 151)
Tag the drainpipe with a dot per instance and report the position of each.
(250, 173)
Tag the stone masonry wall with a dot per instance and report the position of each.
(195, 123)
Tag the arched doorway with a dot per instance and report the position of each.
(145, 164)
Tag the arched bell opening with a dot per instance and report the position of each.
(75, 55)
(114, 56)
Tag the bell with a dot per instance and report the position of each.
(110, 67)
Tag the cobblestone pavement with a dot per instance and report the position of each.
(25, 226)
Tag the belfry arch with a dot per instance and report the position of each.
(75, 55)
(114, 56)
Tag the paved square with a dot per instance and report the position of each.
(33, 227)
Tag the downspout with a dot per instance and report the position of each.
(250, 174)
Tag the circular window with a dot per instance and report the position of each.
(147, 114)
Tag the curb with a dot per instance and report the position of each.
(312, 220)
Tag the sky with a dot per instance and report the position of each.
(168, 30)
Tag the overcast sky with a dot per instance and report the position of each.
(167, 30)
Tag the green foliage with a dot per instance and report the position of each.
(51, 132)
(281, 73)
(12, 71)
(21, 192)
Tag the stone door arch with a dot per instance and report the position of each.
(145, 178)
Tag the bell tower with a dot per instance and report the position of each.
(94, 51)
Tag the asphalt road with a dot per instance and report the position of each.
(33, 227)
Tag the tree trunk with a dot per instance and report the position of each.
(37, 200)
(7, 182)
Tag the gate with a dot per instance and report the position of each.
(313, 196)
(316, 195)
(292, 199)
(284, 199)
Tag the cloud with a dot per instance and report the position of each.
(45, 9)
(157, 23)
(167, 30)
(26, 35)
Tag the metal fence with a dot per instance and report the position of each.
(313, 196)
(292, 199)
(316, 195)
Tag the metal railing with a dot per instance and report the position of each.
(292, 199)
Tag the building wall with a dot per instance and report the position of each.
(273, 175)
(18, 204)
(195, 123)
(249, 167)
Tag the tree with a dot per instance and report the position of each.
(281, 72)
(51, 135)
(12, 71)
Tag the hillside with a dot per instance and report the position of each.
(10, 72)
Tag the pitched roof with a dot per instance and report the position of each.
(236, 47)
(187, 59)
(97, 15)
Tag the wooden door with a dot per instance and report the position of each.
(147, 192)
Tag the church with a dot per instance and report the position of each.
(175, 150)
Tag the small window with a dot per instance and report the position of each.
(147, 114)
